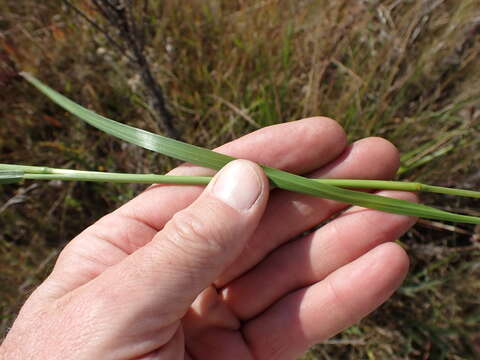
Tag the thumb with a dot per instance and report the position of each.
(194, 247)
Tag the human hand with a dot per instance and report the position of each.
(182, 273)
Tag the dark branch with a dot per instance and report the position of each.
(97, 27)
(119, 14)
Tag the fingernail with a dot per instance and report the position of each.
(238, 185)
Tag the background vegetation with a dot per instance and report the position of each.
(405, 70)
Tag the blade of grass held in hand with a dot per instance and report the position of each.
(14, 173)
(10, 176)
(47, 173)
(164, 145)
(204, 157)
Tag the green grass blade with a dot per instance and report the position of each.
(122, 178)
(449, 191)
(399, 185)
(10, 176)
(44, 173)
(211, 159)
(164, 145)
(300, 184)
(47, 173)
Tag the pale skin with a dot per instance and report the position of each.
(184, 272)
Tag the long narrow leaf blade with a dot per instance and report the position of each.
(204, 157)
(164, 145)
(307, 186)
(10, 177)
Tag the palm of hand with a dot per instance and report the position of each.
(276, 297)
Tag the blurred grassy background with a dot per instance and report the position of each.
(405, 70)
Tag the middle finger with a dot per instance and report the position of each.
(290, 214)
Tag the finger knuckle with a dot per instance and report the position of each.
(192, 233)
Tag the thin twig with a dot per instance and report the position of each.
(122, 19)
(99, 29)
(239, 111)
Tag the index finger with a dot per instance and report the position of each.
(299, 147)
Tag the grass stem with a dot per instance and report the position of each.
(47, 173)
